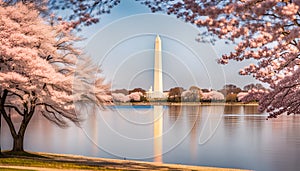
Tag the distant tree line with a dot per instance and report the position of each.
(229, 93)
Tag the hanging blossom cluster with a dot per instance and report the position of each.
(83, 12)
(267, 31)
(285, 98)
(40, 69)
(76, 13)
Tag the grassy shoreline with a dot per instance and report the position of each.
(51, 161)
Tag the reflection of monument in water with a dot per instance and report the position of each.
(157, 93)
(158, 133)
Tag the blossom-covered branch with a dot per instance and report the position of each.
(266, 31)
(75, 13)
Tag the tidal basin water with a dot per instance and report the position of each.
(220, 136)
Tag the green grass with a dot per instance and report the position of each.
(57, 161)
(11, 169)
(22, 154)
(16, 161)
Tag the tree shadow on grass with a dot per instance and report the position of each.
(21, 154)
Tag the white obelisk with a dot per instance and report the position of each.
(158, 83)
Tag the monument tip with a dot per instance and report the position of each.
(157, 37)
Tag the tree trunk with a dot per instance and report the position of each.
(0, 134)
(19, 138)
(18, 143)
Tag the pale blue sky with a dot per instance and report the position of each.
(123, 44)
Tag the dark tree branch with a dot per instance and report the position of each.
(5, 116)
(15, 108)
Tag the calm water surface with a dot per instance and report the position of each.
(221, 136)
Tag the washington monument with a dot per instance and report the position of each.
(158, 82)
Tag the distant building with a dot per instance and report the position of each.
(152, 96)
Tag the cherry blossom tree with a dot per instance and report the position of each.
(41, 71)
(192, 95)
(242, 95)
(175, 94)
(83, 12)
(77, 13)
(186, 96)
(213, 96)
(120, 97)
(284, 98)
(266, 31)
(136, 96)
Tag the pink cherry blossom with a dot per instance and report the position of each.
(267, 31)
(41, 72)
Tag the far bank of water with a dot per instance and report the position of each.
(182, 104)
(230, 136)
